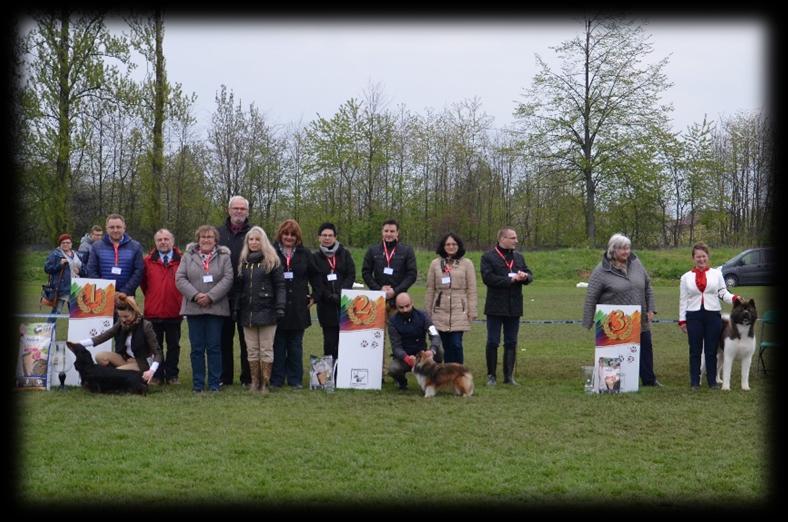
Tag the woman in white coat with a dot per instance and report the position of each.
(700, 292)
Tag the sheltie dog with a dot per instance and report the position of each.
(737, 342)
(432, 376)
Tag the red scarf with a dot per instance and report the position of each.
(700, 278)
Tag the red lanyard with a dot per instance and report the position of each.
(332, 262)
(206, 262)
(288, 259)
(447, 266)
(116, 252)
(509, 264)
(388, 256)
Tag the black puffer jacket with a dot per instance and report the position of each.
(259, 294)
(504, 297)
(297, 315)
(327, 293)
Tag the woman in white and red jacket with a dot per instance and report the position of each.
(700, 292)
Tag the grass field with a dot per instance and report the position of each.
(544, 443)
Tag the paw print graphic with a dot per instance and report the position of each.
(377, 335)
(374, 344)
(93, 332)
(106, 323)
(630, 359)
(364, 343)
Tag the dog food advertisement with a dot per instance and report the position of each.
(91, 310)
(33, 364)
(362, 323)
(617, 353)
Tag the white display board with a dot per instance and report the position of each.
(362, 323)
(617, 352)
(91, 309)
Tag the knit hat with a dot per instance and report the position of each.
(63, 237)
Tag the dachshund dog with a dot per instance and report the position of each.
(104, 379)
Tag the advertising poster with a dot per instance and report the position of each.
(362, 323)
(91, 309)
(617, 352)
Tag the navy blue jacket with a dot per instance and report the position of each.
(408, 335)
(102, 259)
(53, 267)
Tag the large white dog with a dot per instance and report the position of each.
(737, 342)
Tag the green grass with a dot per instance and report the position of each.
(542, 443)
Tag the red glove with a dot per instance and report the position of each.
(409, 360)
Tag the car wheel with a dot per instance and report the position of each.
(731, 280)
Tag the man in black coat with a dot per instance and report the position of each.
(389, 266)
(232, 235)
(504, 272)
(332, 270)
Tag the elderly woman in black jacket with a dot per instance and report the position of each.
(259, 302)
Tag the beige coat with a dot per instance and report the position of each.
(189, 281)
(451, 306)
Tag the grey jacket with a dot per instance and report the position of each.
(608, 285)
(189, 281)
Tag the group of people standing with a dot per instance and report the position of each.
(233, 278)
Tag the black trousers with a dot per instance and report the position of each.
(331, 341)
(168, 330)
(228, 370)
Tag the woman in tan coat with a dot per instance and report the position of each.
(450, 300)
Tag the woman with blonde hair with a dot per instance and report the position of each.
(259, 302)
(136, 347)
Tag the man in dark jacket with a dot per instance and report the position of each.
(163, 302)
(408, 331)
(117, 256)
(86, 243)
(389, 266)
(232, 235)
(332, 270)
(504, 272)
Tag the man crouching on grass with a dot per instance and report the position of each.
(408, 331)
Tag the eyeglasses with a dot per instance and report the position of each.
(326, 235)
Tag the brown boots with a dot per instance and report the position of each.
(266, 371)
(261, 376)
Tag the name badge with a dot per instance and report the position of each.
(388, 270)
(288, 275)
(446, 280)
(331, 277)
(512, 274)
(116, 270)
(207, 278)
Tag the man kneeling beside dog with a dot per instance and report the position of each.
(135, 360)
(408, 331)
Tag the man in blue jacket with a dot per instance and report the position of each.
(409, 330)
(117, 256)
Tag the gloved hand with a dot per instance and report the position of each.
(280, 313)
(409, 360)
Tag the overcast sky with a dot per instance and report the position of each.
(293, 71)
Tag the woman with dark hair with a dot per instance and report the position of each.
(450, 300)
(136, 347)
(289, 338)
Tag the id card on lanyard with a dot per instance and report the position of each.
(207, 277)
(446, 278)
(332, 263)
(387, 269)
(116, 269)
(288, 274)
(509, 264)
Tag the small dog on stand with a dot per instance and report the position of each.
(433, 376)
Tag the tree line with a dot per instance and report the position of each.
(591, 152)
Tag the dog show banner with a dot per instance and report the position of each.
(617, 353)
(32, 369)
(91, 310)
(362, 321)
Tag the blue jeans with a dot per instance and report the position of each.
(60, 304)
(288, 357)
(703, 328)
(205, 336)
(452, 346)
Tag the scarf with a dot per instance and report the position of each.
(330, 251)
(700, 278)
(74, 262)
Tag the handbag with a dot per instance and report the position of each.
(49, 293)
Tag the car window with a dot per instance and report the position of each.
(768, 256)
(751, 258)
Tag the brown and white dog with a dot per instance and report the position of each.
(432, 376)
(737, 342)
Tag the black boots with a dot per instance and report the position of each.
(492, 361)
(509, 357)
